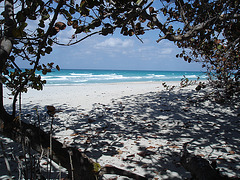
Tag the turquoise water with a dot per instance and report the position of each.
(76, 76)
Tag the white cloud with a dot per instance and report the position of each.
(115, 43)
(166, 51)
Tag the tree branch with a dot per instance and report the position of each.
(182, 14)
(9, 18)
(51, 24)
(42, 44)
(189, 34)
(69, 44)
(170, 36)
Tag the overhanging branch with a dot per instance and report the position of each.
(172, 37)
(69, 44)
(42, 44)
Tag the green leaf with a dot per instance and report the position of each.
(50, 42)
(84, 11)
(44, 72)
(20, 17)
(150, 25)
(30, 49)
(23, 25)
(45, 17)
(72, 2)
(58, 68)
(96, 167)
(69, 16)
(42, 53)
(71, 10)
(40, 31)
(219, 47)
(17, 33)
(32, 17)
(48, 50)
(41, 24)
(131, 32)
(96, 22)
(39, 67)
(83, 4)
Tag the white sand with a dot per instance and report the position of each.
(85, 95)
(140, 127)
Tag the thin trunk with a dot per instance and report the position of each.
(6, 45)
(9, 18)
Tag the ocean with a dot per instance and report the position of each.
(77, 76)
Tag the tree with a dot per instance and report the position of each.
(208, 32)
(205, 30)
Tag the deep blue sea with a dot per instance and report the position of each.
(76, 76)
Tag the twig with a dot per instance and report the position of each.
(60, 174)
(47, 164)
(71, 163)
(30, 159)
(69, 44)
(20, 167)
(6, 160)
(51, 134)
(20, 108)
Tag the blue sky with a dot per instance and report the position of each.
(120, 52)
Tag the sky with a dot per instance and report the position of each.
(116, 52)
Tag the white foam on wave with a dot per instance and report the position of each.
(80, 74)
(191, 76)
(113, 76)
(78, 78)
(151, 76)
(79, 81)
(88, 77)
(54, 78)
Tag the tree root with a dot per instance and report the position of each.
(200, 168)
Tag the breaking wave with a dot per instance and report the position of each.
(110, 76)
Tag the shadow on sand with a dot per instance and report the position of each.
(145, 133)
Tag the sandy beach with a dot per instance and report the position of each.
(85, 95)
(140, 127)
